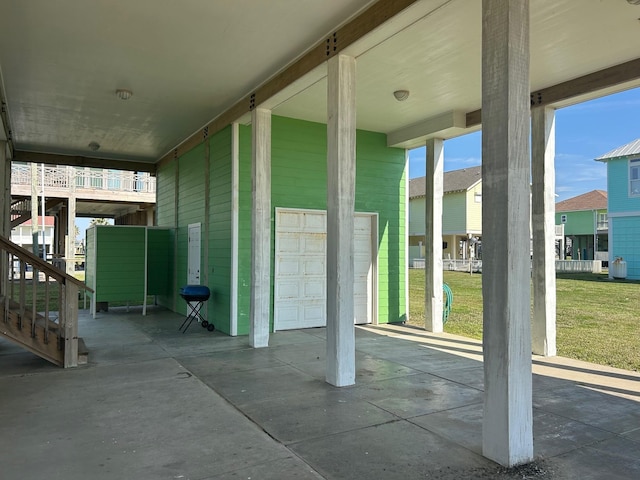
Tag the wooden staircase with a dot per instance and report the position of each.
(39, 305)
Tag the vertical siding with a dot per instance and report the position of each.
(618, 188)
(219, 307)
(454, 213)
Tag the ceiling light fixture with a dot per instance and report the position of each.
(94, 146)
(124, 94)
(401, 95)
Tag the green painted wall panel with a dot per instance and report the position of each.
(219, 246)
(298, 181)
(159, 261)
(119, 263)
(191, 205)
(578, 223)
(299, 177)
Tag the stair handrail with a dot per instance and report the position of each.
(42, 265)
(68, 299)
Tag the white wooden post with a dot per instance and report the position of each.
(544, 230)
(260, 227)
(70, 294)
(507, 435)
(433, 228)
(341, 175)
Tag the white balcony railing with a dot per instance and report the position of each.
(65, 177)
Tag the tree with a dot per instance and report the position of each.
(99, 221)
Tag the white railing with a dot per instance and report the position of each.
(66, 177)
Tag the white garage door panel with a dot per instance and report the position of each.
(287, 266)
(300, 264)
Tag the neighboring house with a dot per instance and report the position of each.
(623, 185)
(210, 207)
(585, 224)
(461, 214)
(23, 234)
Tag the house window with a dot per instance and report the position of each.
(563, 218)
(478, 197)
(603, 223)
(634, 178)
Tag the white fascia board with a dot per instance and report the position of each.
(447, 125)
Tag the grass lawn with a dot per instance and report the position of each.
(598, 320)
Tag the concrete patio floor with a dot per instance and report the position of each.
(156, 404)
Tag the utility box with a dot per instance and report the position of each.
(127, 264)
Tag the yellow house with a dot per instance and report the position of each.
(461, 215)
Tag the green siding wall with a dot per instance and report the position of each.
(219, 272)
(298, 181)
(191, 206)
(166, 217)
(578, 223)
(119, 263)
(159, 261)
(299, 178)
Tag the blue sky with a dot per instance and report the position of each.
(583, 132)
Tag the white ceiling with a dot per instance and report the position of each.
(187, 62)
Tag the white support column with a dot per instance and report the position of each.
(341, 175)
(507, 435)
(70, 245)
(433, 228)
(260, 227)
(543, 139)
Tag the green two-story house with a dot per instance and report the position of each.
(585, 225)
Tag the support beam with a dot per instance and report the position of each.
(507, 435)
(543, 139)
(572, 91)
(260, 227)
(341, 183)
(433, 241)
(80, 161)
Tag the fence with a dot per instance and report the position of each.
(65, 177)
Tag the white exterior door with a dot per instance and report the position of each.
(300, 269)
(193, 254)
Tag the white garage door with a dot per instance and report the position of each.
(300, 269)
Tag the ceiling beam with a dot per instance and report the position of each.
(445, 125)
(370, 19)
(590, 83)
(80, 161)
